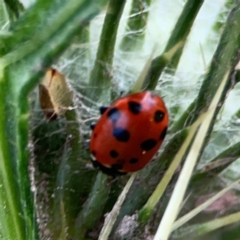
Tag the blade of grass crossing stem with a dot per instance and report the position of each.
(166, 57)
(138, 85)
(151, 80)
(171, 212)
(199, 229)
(148, 208)
(201, 207)
(112, 216)
(210, 226)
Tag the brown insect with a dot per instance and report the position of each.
(54, 93)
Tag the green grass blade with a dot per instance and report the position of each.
(21, 55)
(202, 206)
(183, 180)
(108, 225)
(218, 164)
(11, 220)
(210, 226)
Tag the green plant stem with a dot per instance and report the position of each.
(218, 164)
(93, 208)
(179, 34)
(136, 25)
(180, 123)
(183, 28)
(226, 55)
(100, 77)
(71, 175)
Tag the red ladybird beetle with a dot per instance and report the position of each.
(128, 133)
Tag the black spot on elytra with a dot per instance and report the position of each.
(114, 114)
(103, 109)
(158, 116)
(113, 153)
(163, 134)
(92, 126)
(133, 160)
(134, 107)
(148, 144)
(94, 135)
(93, 153)
(121, 134)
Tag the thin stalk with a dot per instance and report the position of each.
(215, 224)
(217, 164)
(202, 206)
(93, 208)
(181, 122)
(136, 25)
(151, 79)
(179, 34)
(197, 230)
(100, 76)
(108, 225)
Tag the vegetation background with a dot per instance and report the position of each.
(187, 51)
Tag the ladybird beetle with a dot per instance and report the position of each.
(128, 133)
